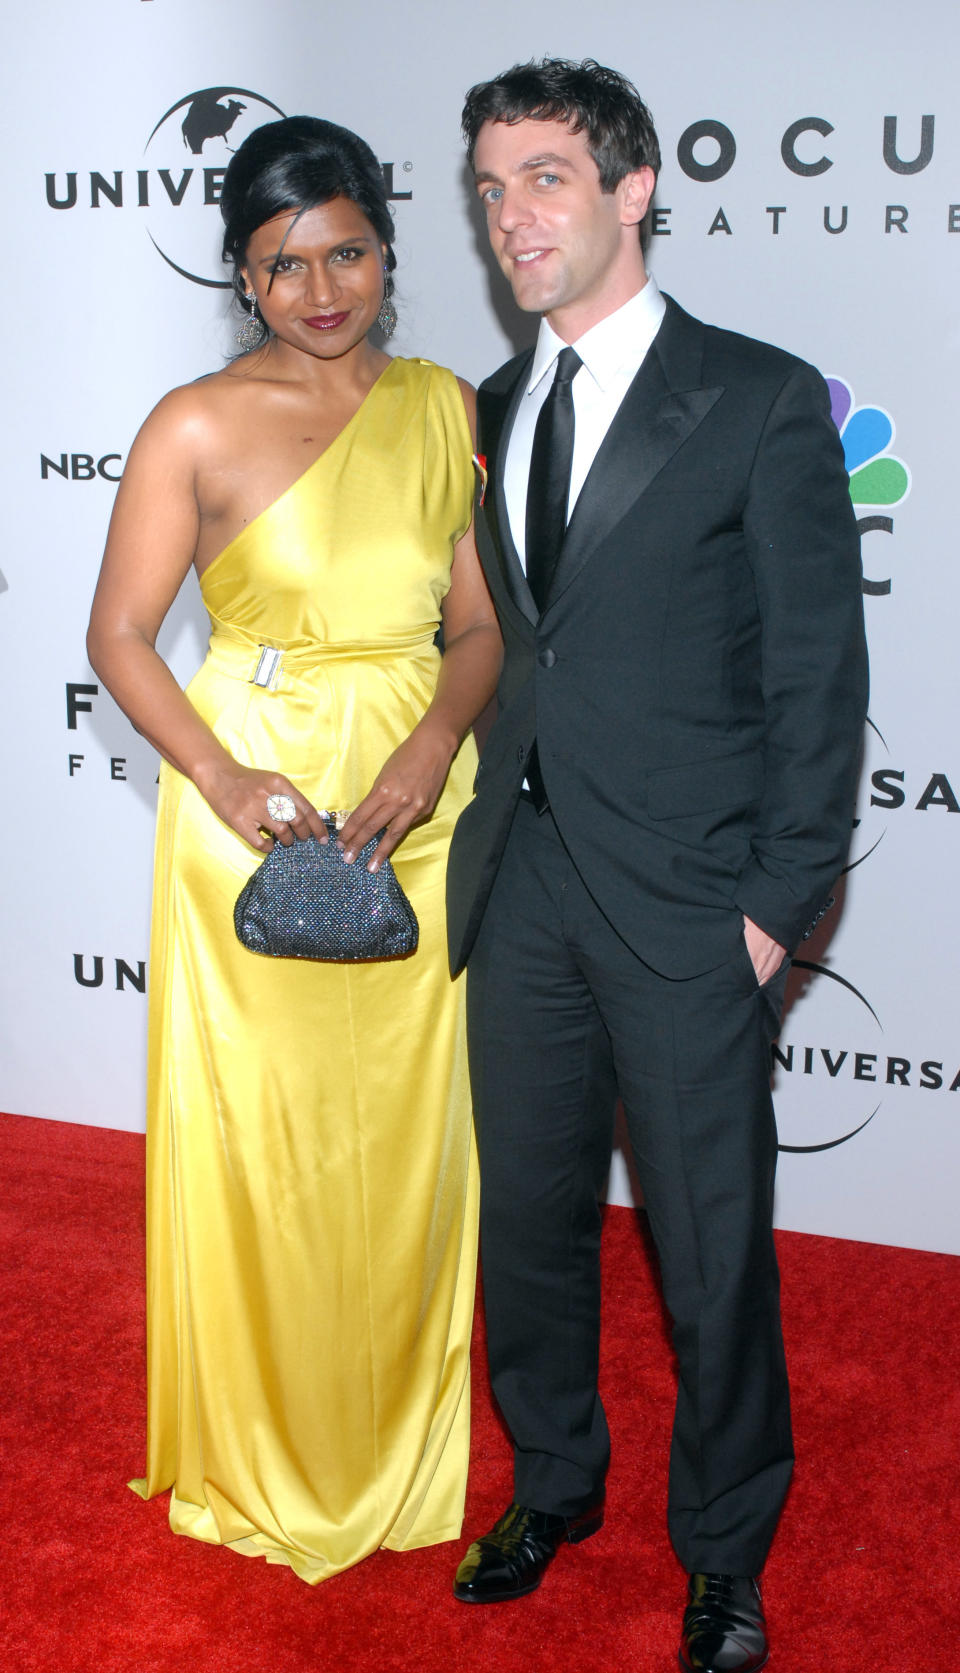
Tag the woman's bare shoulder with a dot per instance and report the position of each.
(469, 394)
(194, 413)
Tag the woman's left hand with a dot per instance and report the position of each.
(405, 793)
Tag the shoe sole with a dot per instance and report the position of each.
(496, 1597)
(688, 1669)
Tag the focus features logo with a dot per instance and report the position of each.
(832, 1057)
(707, 152)
(794, 145)
(80, 700)
(177, 181)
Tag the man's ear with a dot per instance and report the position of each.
(636, 190)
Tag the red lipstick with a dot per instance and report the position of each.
(326, 322)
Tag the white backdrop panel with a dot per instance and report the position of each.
(101, 323)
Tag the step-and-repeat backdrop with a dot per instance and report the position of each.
(810, 196)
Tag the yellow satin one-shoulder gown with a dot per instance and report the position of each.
(312, 1187)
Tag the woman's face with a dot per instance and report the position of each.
(327, 277)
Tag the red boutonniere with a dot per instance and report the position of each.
(480, 460)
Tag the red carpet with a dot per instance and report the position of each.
(865, 1574)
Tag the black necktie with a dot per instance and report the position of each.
(548, 486)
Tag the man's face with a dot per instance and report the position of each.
(569, 250)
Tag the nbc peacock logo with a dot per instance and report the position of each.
(878, 478)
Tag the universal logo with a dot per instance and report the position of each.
(832, 1060)
(180, 176)
(89, 972)
(886, 789)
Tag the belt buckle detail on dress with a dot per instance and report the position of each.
(268, 669)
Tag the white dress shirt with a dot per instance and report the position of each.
(612, 353)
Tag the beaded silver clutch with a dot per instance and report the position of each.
(304, 901)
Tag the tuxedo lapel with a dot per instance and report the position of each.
(496, 410)
(661, 409)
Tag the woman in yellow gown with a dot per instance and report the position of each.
(311, 1173)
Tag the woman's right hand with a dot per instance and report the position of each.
(238, 796)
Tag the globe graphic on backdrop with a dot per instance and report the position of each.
(186, 156)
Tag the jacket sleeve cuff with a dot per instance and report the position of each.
(776, 908)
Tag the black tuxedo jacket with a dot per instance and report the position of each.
(696, 684)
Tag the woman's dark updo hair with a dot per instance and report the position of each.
(296, 164)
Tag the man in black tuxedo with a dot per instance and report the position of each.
(661, 809)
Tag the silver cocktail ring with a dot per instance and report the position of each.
(282, 808)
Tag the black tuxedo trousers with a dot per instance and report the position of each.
(562, 1015)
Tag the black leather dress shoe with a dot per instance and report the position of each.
(723, 1626)
(511, 1559)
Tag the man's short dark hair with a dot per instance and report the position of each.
(604, 105)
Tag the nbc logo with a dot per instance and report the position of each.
(877, 476)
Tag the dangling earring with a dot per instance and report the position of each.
(387, 317)
(252, 331)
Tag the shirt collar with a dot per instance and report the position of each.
(621, 339)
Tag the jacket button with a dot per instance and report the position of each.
(520, 752)
(547, 658)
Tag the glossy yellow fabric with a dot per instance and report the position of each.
(311, 1174)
